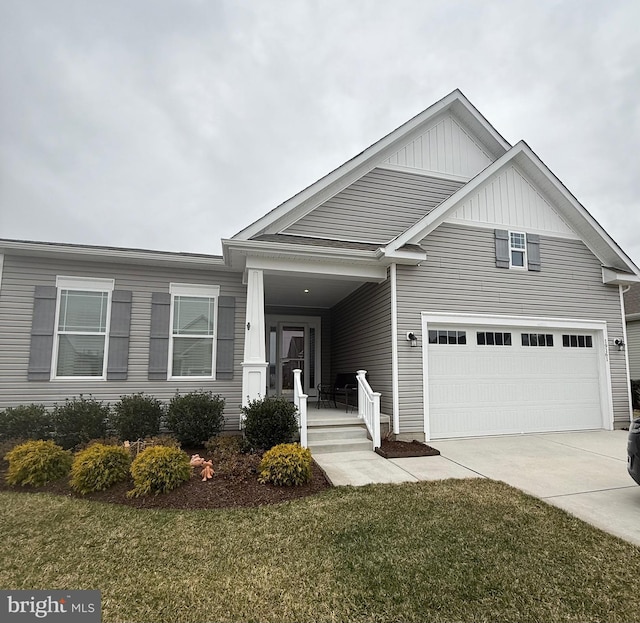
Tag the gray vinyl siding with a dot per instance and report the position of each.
(460, 276)
(21, 275)
(633, 346)
(361, 338)
(377, 208)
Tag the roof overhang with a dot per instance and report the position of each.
(295, 208)
(111, 254)
(568, 207)
(615, 277)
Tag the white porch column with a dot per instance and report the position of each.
(254, 366)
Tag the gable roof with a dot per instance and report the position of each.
(328, 186)
(568, 207)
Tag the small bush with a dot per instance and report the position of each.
(79, 420)
(25, 422)
(158, 470)
(223, 447)
(287, 464)
(37, 462)
(195, 417)
(136, 417)
(6, 445)
(270, 421)
(99, 467)
(136, 447)
(231, 459)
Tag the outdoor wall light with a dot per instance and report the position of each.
(619, 343)
(411, 337)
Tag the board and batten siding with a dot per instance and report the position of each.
(633, 346)
(460, 276)
(376, 208)
(361, 338)
(22, 274)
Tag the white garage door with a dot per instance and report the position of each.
(501, 380)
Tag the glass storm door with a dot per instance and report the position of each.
(290, 346)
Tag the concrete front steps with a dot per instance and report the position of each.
(332, 430)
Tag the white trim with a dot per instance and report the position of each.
(610, 276)
(86, 284)
(1, 269)
(626, 353)
(600, 326)
(395, 384)
(528, 230)
(424, 172)
(193, 290)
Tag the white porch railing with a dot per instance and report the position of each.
(369, 407)
(300, 401)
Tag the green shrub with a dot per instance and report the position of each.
(79, 420)
(99, 467)
(136, 416)
(195, 417)
(25, 422)
(6, 445)
(159, 469)
(270, 421)
(37, 462)
(287, 464)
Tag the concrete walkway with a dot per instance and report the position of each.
(582, 472)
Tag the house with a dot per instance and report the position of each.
(476, 291)
(632, 311)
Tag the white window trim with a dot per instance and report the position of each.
(523, 251)
(87, 284)
(198, 290)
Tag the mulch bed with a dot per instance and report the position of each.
(237, 490)
(404, 449)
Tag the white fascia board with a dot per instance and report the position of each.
(289, 266)
(498, 320)
(398, 256)
(111, 254)
(326, 187)
(1, 268)
(611, 276)
(424, 172)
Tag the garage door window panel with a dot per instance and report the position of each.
(445, 336)
(493, 338)
(577, 341)
(537, 339)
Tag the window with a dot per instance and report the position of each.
(492, 338)
(193, 321)
(518, 249)
(447, 337)
(577, 341)
(537, 339)
(83, 309)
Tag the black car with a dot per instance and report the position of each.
(633, 451)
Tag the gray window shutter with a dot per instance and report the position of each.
(502, 248)
(117, 366)
(42, 331)
(226, 335)
(159, 340)
(533, 252)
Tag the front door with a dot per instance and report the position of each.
(293, 343)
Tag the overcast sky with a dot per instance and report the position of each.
(169, 124)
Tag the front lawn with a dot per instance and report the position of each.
(455, 550)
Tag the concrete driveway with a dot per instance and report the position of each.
(584, 473)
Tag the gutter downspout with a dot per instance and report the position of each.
(394, 350)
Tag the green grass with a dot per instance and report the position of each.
(456, 550)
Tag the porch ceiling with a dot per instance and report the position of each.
(289, 290)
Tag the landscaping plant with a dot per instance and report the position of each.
(159, 469)
(37, 462)
(287, 465)
(136, 416)
(25, 422)
(98, 467)
(79, 420)
(270, 421)
(195, 417)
